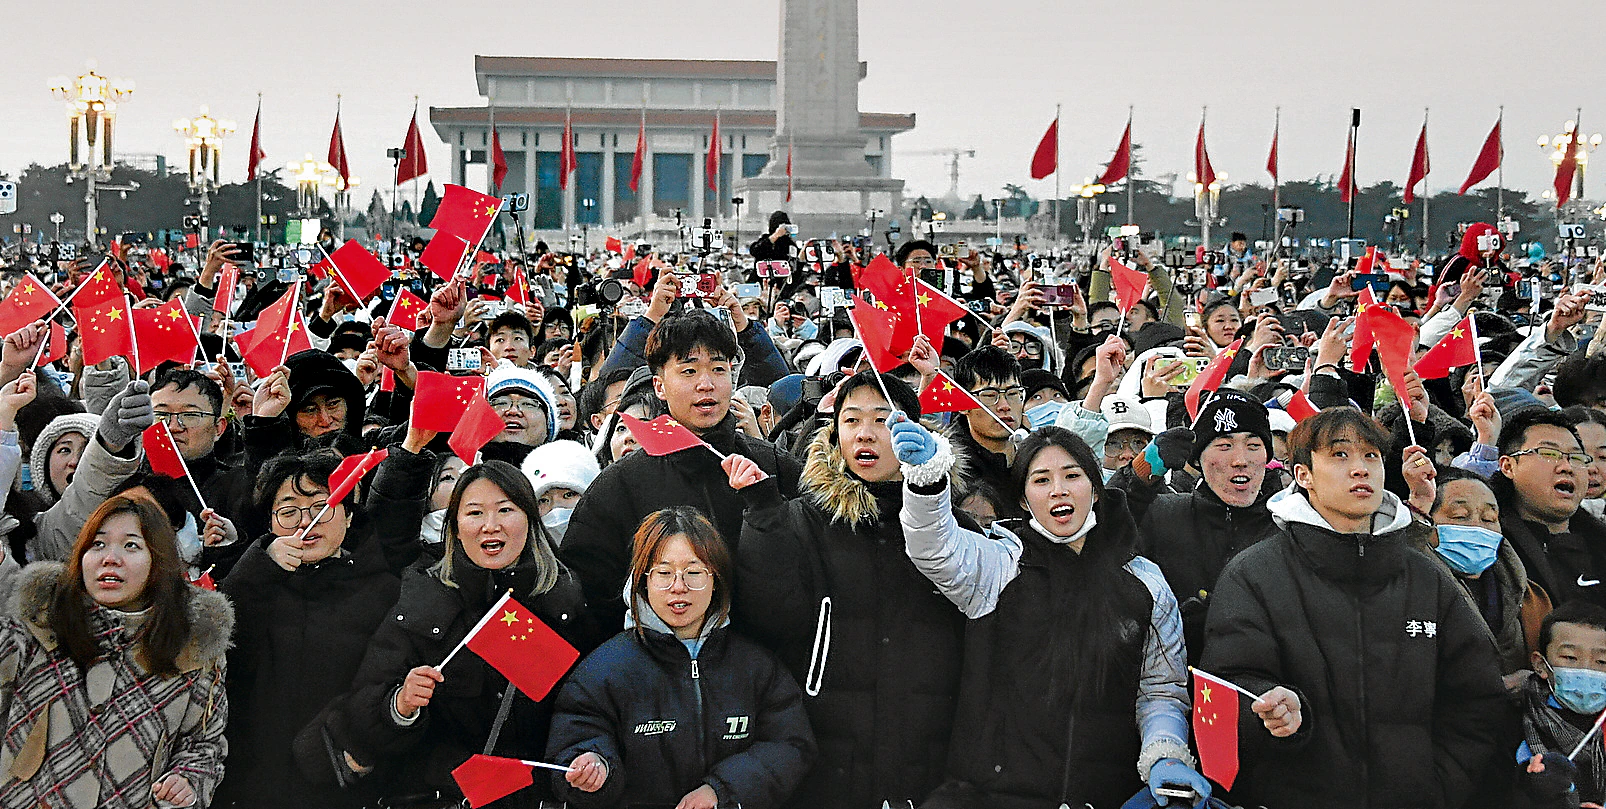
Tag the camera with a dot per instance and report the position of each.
(287, 275)
(515, 203)
(610, 291)
(1525, 290)
(195, 222)
(1491, 241)
(819, 253)
(979, 307)
(1213, 258)
(833, 298)
(463, 359)
(1059, 294)
(791, 229)
(397, 260)
(773, 269)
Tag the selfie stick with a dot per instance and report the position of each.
(1593, 729)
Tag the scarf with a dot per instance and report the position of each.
(1546, 730)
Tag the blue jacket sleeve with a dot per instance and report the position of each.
(764, 361)
(630, 351)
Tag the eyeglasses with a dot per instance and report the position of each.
(1031, 349)
(991, 396)
(693, 579)
(189, 420)
(921, 263)
(1557, 456)
(291, 517)
(1133, 445)
(528, 407)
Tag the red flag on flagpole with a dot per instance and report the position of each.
(613, 245)
(58, 345)
(1419, 165)
(460, 223)
(405, 311)
(416, 163)
(498, 160)
(640, 161)
(479, 424)
(1489, 158)
(877, 326)
(1394, 339)
(97, 288)
(1129, 284)
(486, 779)
(265, 347)
(1346, 181)
(1215, 728)
(337, 150)
(254, 161)
(1366, 311)
(440, 400)
(711, 163)
(162, 452)
(1454, 350)
(944, 395)
(1271, 158)
(351, 470)
(526, 651)
(104, 329)
(357, 271)
(936, 310)
(1210, 378)
(28, 301)
(227, 278)
(1299, 406)
(567, 161)
(164, 335)
(1563, 184)
(1204, 173)
(661, 436)
(1046, 159)
(1121, 163)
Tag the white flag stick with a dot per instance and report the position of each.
(477, 627)
(1217, 680)
(558, 767)
(1593, 729)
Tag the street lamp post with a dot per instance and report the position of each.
(585, 233)
(1088, 209)
(1556, 145)
(203, 139)
(308, 174)
(92, 111)
(342, 193)
(1206, 204)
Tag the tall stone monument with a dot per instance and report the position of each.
(817, 126)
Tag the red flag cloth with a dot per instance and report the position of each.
(1210, 378)
(264, 348)
(937, 310)
(444, 255)
(1202, 170)
(227, 278)
(321, 269)
(192, 241)
(204, 581)
(275, 316)
(440, 400)
(630, 253)
(460, 223)
(159, 259)
(161, 451)
(526, 651)
(357, 271)
(254, 161)
(1419, 165)
(1394, 338)
(58, 344)
(1215, 728)
(789, 171)
(387, 380)
(1566, 168)
(105, 330)
(640, 160)
(712, 161)
(337, 152)
(613, 245)
(165, 333)
(886, 281)
(1346, 181)
(642, 274)
(878, 328)
(1454, 350)
(1121, 163)
(475, 429)
(415, 164)
(405, 311)
(1366, 311)
(519, 290)
(498, 160)
(28, 301)
(1299, 406)
(661, 436)
(98, 287)
(1488, 159)
(1271, 158)
(486, 779)
(944, 395)
(1046, 159)
(1129, 284)
(567, 160)
(350, 471)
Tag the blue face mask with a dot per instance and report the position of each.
(1468, 549)
(1043, 414)
(1578, 690)
(1109, 473)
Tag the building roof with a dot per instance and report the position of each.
(879, 122)
(627, 68)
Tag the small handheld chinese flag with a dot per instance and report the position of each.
(479, 424)
(487, 779)
(936, 310)
(944, 395)
(226, 279)
(440, 400)
(1046, 159)
(1210, 378)
(613, 245)
(1394, 338)
(1215, 728)
(29, 301)
(1456, 349)
(351, 470)
(165, 334)
(1129, 284)
(877, 327)
(661, 436)
(526, 651)
(405, 311)
(357, 271)
(1299, 406)
(162, 452)
(106, 331)
(98, 287)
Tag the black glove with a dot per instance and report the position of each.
(1175, 447)
(1553, 783)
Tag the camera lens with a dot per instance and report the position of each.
(610, 291)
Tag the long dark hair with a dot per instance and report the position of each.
(516, 486)
(663, 525)
(1107, 597)
(165, 632)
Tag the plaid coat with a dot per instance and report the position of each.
(103, 737)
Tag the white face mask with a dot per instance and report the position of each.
(350, 363)
(557, 521)
(434, 522)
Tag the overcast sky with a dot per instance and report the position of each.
(978, 75)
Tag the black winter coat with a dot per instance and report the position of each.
(1192, 537)
(732, 719)
(1561, 564)
(883, 714)
(1399, 681)
(426, 623)
(597, 544)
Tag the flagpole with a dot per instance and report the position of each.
(1276, 186)
(506, 596)
(1213, 678)
(558, 767)
(1500, 190)
(133, 335)
(67, 301)
(1477, 352)
(290, 322)
(43, 347)
(641, 141)
(257, 128)
(1425, 192)
(1129, 184)
(1059, 204)
(183, 463)
(1593, 729)
(415, 163)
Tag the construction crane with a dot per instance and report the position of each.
(953, 156)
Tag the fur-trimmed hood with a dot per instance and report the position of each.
(211, 616)
(843, 496)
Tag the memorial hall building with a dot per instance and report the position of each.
(605, 100)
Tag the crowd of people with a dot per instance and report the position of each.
(852, 601)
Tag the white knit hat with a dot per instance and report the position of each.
(561, 464)
(509, 378)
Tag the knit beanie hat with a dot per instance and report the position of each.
(509, 378)
(1228, 412)
(561, 464)
(39, 457)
